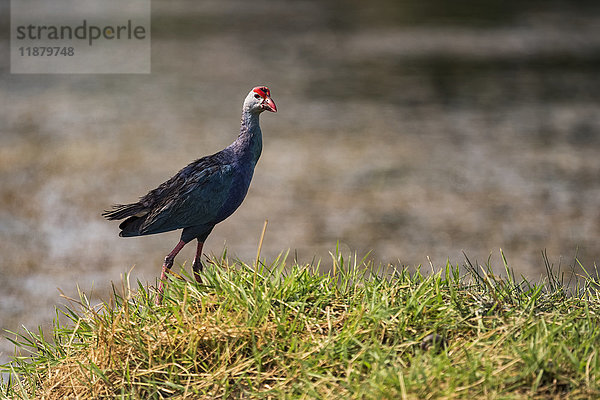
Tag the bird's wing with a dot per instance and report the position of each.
(194, 196)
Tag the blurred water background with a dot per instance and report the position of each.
(407, 128)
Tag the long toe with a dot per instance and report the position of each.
(161, 284)
(159, 295)
(197, 269)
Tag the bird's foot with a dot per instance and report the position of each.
(159, 294)
(166, 268)
(197, 267)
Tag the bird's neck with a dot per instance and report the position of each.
(249, 142)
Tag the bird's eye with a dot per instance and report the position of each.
(257, 96)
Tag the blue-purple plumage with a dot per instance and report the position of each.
(203, 193)
(194, 197)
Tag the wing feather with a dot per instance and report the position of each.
(194, 196)
(191, 199)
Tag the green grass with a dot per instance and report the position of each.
(288, 331)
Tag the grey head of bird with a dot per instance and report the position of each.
(259, 100)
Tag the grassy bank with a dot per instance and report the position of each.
(288, 331)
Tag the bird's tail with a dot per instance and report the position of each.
(136, 215)
(120, 211)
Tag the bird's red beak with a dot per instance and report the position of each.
(269, 105)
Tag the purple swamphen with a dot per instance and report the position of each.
(203, 193)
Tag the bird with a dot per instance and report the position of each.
(202, 194)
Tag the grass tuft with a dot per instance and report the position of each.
(287, 331)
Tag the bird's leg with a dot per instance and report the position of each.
(197, 266)
(169, 259)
